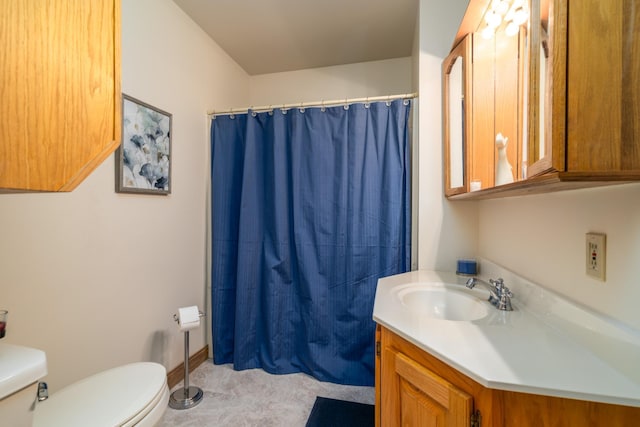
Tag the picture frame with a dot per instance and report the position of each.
(143, 160)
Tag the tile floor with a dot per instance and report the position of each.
(255, 398)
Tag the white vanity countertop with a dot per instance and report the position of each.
(547, 345)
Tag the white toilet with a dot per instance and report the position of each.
(131, 395)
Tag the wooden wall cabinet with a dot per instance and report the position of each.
(60, 96)
(414, 388)
(580, 104)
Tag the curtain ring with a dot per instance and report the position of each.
(366, 102)
(301, 109)
(270, 110)
(388, 101)
(323, 108)
(346, 104)
(253, 113)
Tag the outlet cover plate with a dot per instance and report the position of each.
(596, 260)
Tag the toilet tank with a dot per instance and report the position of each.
(20, 370)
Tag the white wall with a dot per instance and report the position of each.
(360, 80)
(542, 238)
(93, 277)
(447, 230)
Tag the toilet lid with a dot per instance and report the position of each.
(109, 398)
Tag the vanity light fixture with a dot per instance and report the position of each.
(513, 13)
(511, 29)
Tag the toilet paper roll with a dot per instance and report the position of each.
(188, 318)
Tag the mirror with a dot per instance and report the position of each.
(456, 123)
(456, 72)
(499, 67)
(539, 147)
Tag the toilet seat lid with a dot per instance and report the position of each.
(109, 398)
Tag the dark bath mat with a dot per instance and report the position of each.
(340, 413)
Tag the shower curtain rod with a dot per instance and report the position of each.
(310, 104)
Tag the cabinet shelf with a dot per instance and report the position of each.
(551, 182)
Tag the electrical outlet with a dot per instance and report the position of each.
(596, 255)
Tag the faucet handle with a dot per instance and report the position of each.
(504, 294)
(501, 288)
(498, 283)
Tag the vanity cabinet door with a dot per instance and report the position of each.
(415, 396)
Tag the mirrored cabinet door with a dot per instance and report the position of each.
(547, 53)
(456, 96)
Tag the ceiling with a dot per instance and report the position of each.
(269, 36)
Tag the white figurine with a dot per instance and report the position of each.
(504, 174)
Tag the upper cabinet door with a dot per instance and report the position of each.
(547, 87)
(59, 91)
(584, 74)
(456, 77)
(603, 86)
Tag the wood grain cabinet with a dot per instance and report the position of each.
(59, 91)
(585, 89)
(414, 388)
(579, 117)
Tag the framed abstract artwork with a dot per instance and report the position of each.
(143, 161)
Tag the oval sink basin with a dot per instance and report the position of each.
(443, 303)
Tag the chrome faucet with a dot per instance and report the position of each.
(499, 295)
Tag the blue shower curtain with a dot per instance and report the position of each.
(310, 207)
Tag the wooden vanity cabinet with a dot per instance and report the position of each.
(60, 96)
(414, 388)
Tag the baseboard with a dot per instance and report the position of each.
(196, 359)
